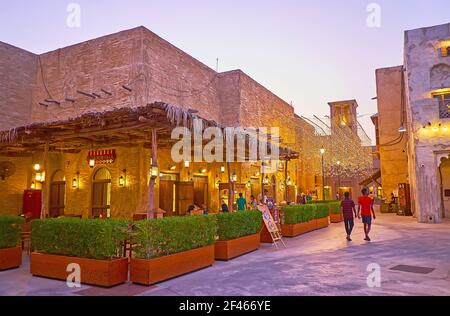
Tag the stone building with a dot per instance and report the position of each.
(100, 100)
(89, 127)
(420, 129)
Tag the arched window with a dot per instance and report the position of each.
(101, 194)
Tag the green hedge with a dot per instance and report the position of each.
(235, 225)
(10, 231)
(91, 239)
(335, 207)
(295, 214)
(323, 210)
(158, 238)
(322, 202)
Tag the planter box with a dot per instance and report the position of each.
(265, 236)
(105, 273)
(229, 249)
(10, 258)
(152, 271)
(323, 222)
(337, 218)
(289, 230)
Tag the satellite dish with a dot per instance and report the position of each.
(7, 169)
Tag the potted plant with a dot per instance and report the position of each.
(10, 235)
(298, 220)
(173, 246)
(322, 215)
(336, 212)
(238, 234)
(95, 245)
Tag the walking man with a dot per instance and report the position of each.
(349, 213)
(366, 210)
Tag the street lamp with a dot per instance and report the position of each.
(322, 152)
(339, 177)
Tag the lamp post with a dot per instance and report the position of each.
(322, 152)
(339, 178)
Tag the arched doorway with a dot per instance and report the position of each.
(444, 171)
(57, 194)
(101, 194)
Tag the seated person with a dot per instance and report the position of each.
(225, 208)
(190, 209)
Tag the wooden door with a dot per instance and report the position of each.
(166, 196)
(101, 191)
(57, 199)
(185, 196)
(201, 191)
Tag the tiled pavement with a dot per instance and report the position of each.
(320, 263)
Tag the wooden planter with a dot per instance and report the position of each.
(295, 230)
(152, 271)
(10, 258)
(229, 249)
(265, 236)
(105, 273)
(323, 222)
(336, 218)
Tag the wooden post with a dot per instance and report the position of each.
(44, 185)
(286, 189)
(151, 189)
(230, 188)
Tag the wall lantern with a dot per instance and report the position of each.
(289, 181)
(91, 163)
(218, 182)
(257, 174)
(33, 185)
(187, 164)
(249, 184)
(76, 181)
(173, 167)
(204, 170)
(322, 151)
(38, 177)
(154, 172)
(37, 167)
(222, 169)
(234, 177)
(282, 186)
(123, 179)
(266, 180)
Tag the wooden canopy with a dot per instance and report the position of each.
(113, 128)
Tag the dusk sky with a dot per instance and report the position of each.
(307, 52)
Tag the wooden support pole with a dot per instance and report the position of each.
(286, 189)
(151, 189)
(230, 188)
(44, 185)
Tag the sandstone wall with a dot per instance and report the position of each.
(17, 77)
(393, 158)
(427, 145)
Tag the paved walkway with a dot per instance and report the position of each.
(320, 263)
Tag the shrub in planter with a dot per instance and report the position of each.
(95, 245)
(294, 214)
(336, 212)
(240, 224)
(322, 215)
(10, 235)
(171, 247)
(238, 233)
(298, 219)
